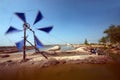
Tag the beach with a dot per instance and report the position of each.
(77, 54)
(70, 64)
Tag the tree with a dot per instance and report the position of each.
(104, 40)
(112, 34)
(86, 42)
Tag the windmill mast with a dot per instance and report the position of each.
(24, 47)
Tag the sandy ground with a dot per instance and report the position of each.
(39, 57)
(80, 55)
(67, 66)
(54, 59)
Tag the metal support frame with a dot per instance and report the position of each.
(26, 26)
(37, 49)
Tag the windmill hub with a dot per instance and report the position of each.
(26, 25)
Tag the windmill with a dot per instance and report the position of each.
(21, 45)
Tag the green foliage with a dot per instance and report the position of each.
(112, 34)
(86, 42)
(104, 40)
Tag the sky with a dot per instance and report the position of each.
(73, 20)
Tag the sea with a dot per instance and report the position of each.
(62, 48)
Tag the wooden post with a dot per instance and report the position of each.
(24, 47)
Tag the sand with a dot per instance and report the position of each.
(39, 68)
(68, 65)
(39, 57)
(33, 58)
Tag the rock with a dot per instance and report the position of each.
(55, 48)
(53, 53)
(62, 61)
(9, 61)
(4, 56)
(49, 62)
(81, 49)
(78, 61)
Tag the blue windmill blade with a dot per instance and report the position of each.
(38, 17)
(38, 43)
(12, 29)
(21, 16)
(46, 29)
(20, 45)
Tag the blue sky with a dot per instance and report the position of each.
(73, 20)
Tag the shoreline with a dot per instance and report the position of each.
(79, 55)
(37, 59)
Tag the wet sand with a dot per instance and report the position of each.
(63, 72)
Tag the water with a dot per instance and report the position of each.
(63, 48)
